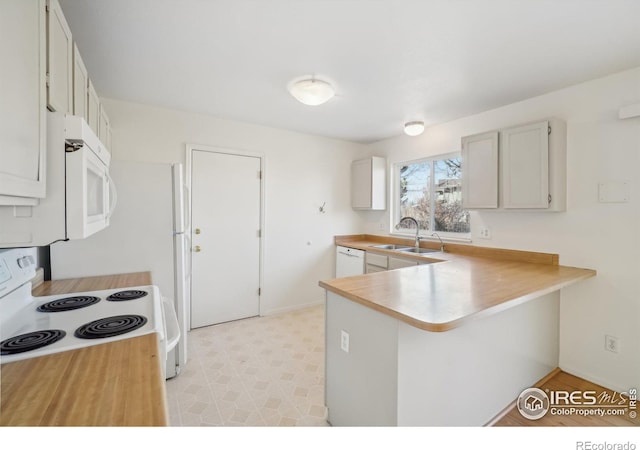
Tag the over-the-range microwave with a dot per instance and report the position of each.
(80, 193)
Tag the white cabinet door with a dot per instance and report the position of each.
(368, 183)
(59, 60)
(372, 269)
(80, 86)
(520, 168)
(398, 263)
(376, 260)
(524, 161)
(361, 183)
(93, 108)
(104, 133)
(23, 101)
(480, 171)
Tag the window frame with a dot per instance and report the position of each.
(395, 200)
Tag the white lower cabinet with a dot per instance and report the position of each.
(376, 262)
(398, 263)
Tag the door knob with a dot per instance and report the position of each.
(197, 231)
(196, 248)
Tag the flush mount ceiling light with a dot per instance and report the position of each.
(414, 128)
(311, 91)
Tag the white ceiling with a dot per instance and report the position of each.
(391, 61)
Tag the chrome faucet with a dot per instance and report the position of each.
(417, 228)
(441, 244)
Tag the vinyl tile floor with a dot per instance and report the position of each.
(261, 371)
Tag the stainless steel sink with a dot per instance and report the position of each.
(417, 250)
(391, 247)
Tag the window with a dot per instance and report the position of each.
(430, 190)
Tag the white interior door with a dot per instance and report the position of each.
(226, 220)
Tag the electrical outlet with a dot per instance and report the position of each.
(344, 341)
(485, 233)
(612, 344)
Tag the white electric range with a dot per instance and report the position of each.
(37, 326)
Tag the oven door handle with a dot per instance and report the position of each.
(113, 196)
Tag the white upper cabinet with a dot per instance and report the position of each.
(533, 166)
(368, 183)
(86, 102)
(525, 166)
(93, 108)
(520, 168)
(59, 60)
(80, 86)
(480, 171)
(104, 133)
(23, 102)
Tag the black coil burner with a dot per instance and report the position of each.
(126, 295)
(68, 303)
(110, 326)
(30, 341)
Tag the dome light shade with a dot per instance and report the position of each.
(311, 91)
(414, 128)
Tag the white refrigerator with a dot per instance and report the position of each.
(147, 233)
(177, 358)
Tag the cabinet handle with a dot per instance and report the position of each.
(196, 248)
(197, 231)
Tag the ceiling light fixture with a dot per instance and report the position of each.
(311, 90)
(414, 128)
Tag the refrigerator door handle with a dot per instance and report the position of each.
(187, 206)
(172, 327)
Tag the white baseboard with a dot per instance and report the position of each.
(272, 312)
(594, 379)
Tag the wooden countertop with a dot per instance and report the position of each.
(461, 284)
(69, 285)
(114, 384)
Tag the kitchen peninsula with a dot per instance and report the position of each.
(450, 342)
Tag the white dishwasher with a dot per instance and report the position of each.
(349, 261)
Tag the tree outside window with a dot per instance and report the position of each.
(430, 190)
